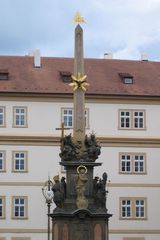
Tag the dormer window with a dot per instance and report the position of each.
(66, 76)
(4, 74)
(126, 78)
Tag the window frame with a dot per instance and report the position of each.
(132, 119)
(133, 161)
(72, 109)
(25, 117)
(127, 207)
(25, 198)
(25, 162)
(63, 115)
(3, 207)
(4, 117)
(3, 161)
(133, 208)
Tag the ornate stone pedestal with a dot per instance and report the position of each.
(80, 225)
(71, 222)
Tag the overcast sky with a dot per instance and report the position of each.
(126, 28)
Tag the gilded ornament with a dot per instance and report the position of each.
(79, 81)
(78, 18)
(81, 168)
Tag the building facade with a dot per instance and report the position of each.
(122, 108)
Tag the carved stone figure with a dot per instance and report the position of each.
(59, 191)
(92, 148)
(95, 186)
(69, 151)
(99, 191)
(81, 180)
(63, 186)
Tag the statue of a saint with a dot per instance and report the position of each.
(81, 180)
(59, 191)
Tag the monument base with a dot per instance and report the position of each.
(81, 224)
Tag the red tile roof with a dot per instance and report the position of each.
(102, 74)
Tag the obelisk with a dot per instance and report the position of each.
(82, 214)
(79, 84)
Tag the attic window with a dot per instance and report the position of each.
(66, 76)
(4, 74)
(126, 78)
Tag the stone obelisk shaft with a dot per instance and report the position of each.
(79, 95)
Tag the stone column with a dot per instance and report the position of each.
(79, 95)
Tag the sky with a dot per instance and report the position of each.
(127, 28)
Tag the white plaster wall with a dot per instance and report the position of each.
(104, 119)
(37, 208)
(110, 159)
(42, 160)
(45, 159)
(153, 212)
(44, 117)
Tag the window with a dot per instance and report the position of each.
(67, 117)
(125, 119)
(20, 161)
(132, 163)
(138, 119)
(2, 116)
(132, 119)
(4, 74)
(126, 78)
(66, 76)
(133, 208)
(20, 117)
(126, 209)
(2, 161)
(138, 161)
(140, 208)
(2, 207)
(126, 163)
(19, 207)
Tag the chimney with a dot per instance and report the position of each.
(37, 57)
(144, 57)
(108, 55)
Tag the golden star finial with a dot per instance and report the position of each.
(78, 18)
(79, 81)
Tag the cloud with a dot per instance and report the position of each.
(124, 27)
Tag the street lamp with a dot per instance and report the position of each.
(48, 194)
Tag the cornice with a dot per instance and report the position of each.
(129, 141)
(90, 97)
(35, 140)
(54, 140)
(134, 231)
(111, 185)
